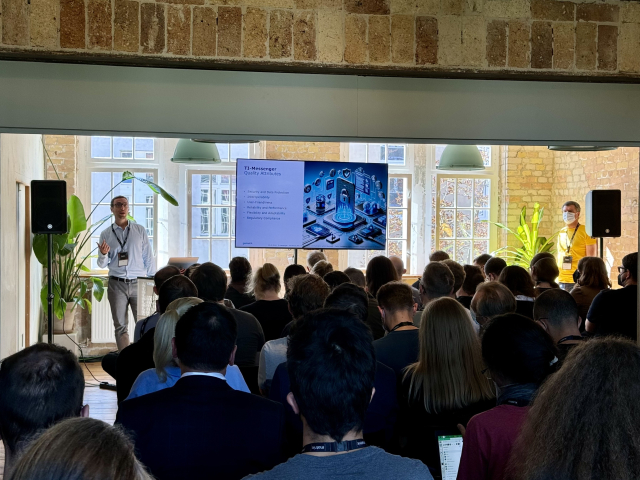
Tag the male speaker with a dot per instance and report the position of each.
(48, 206)
(604, 213)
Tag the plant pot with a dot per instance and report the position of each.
(67, 324)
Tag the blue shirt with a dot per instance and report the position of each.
(148, 381)
(141, 261)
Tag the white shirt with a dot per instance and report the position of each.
(141, 261)
(206, 374)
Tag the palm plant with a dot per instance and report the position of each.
(528, 236)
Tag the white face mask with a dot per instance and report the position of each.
(568, 217)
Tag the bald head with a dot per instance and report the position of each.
(398, 264)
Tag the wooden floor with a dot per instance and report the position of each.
(103, 404)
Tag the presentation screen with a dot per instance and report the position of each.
(295, 204)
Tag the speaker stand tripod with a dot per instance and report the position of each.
(49, 289)
(601, 247)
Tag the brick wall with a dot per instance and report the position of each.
(62, 151)
(577, 173)
(471, 37)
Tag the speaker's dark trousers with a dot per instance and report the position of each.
(121, 295)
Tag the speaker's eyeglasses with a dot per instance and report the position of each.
(120, 205)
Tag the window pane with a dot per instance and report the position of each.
(99, 213)
(480, 224)
(233, 223)
(395, 154)
(143, 215)
(223, 150)
(439, 150)
(463, 252)
(463, 224)
(94, 261)
(358, 153)
(125, 188)
(122, 147)
(447, 246)
(239, 150)
(200, 249)
(220, 222)
(141, 192)
(100, 147)
(482, 193)
(100, 185)
(396, 224)
(144, 148)
(464, 193)
(480, 247)
(397, 197)
(398, 248)
(225, 196)
(200, 222)
(375, 153)
(446, 223)
(447, 189)
(220, 253)
(485, 151)
(200, 189)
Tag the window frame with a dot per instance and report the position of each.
(116, 160)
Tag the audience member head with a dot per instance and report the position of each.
(448, 373)
(290, 272)
(437, 281)
(539, 256)
(492, 299)
(314, 257)
(395, 301)
(192, 268)
(545, 270)
(629, 274)
(176, 287)
(472, 278)
(165, 331)
(439, 256)
(356, 276)
(321, 268)
(493, 268)
(162, 275)
(239, 270)
(40, 386)
(557, 311)
(593, 273)
(80, 449)
(205, 339)
(306, 293)
(584, 421)
(517, 280)
(380, 270)
(351, 298)
(331, 405)
(336, 278)
(398, 264)
(211, 282)
(481, 260)
(458, 274)
(516, 350)
(265, 280)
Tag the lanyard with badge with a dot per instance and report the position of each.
(123, 257)
(567, 260)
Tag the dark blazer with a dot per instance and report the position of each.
(132, 361)
(202, 428)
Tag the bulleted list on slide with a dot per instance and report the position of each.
(269, 204)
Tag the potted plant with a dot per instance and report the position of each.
(528, 236)
(69, 287)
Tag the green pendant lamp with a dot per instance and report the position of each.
(461, 157)
(190, 151)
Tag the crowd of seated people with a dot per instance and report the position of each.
(351, 375)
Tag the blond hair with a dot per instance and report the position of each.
(321, 268)
(166, 330)
(265, 278)
(448, 373)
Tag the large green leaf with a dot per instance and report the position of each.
(40, 246)
(59, 305)
(127, 176)
(77, 219)
(159, 190)
(98, 288)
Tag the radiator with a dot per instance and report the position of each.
(102, 330)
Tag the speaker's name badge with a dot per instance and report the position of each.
(567, 260)
(123, 259)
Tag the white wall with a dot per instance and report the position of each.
(21, 160)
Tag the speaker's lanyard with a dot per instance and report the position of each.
(123, 237)
(572, 237)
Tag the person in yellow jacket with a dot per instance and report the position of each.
(573, 243)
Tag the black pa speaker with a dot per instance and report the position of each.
(604, 213)
(48, 206)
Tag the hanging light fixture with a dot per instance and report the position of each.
(191, 151)
(461, 157)
(579, 148)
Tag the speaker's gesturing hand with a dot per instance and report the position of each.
(104, 247)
